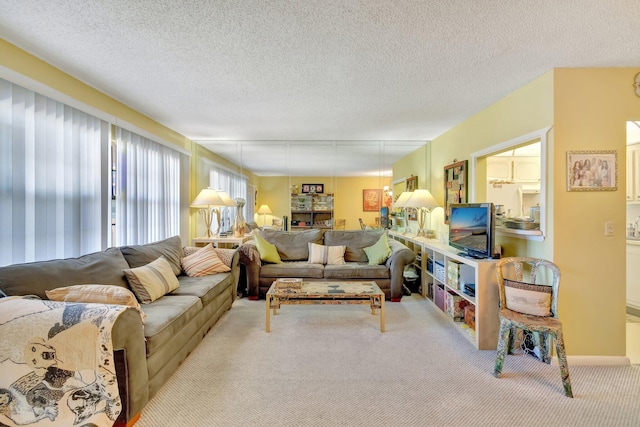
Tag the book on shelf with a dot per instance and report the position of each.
(288, 283)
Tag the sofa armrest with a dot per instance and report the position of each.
(128, 334)
(401, 256)
(250, 261)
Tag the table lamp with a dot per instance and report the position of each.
(208, 201)
(423, 201)
(402, 204)
(264, 210)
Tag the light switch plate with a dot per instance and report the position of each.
(608, 228)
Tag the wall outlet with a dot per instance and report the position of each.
(608, 228)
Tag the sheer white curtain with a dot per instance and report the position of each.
(54, 187)
(147, 190)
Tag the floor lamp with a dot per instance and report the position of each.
(423, 201)
(264, 210)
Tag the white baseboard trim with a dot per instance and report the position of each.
(595, 361)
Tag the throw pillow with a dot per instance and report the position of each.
(379, 252)
(225, 255)
(203, 262)
(152, 281)
(528, 298)
(99, 294)
(320, 254)
(267, 251)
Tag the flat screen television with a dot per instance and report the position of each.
(472, 229)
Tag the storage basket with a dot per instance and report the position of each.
(455, 305)
(439, 271)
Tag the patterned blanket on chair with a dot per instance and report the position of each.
(56, 363)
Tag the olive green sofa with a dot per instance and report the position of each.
(146, 354)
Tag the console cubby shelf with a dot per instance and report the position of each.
(480, 272)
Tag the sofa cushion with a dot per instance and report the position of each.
(207, 288)
(152, 281)
(36, 277)
(203, 262)
(379, 252)
(167, 316)
(293, 269)
(140, 255)
(356, 270)
(268, 251)
(321, 254)
(293, 246)
(354, 240)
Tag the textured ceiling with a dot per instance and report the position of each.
(337, 70)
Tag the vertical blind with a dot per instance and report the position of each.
(147, 190)
(54, 187)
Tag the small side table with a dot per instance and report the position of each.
(221, 242)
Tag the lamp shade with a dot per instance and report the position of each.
(226, 199)
(264, 209)
(207, 197)
(421, 199)
(402, 199)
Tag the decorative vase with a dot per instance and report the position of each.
(239, 224)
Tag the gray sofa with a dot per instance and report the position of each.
(293, 250)
(146, 354)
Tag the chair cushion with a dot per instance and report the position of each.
(321, 254)
(152, 281)
(528, 298)
(203, 262)
(379, 252)
(268, 251)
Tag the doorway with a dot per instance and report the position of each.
(633, 242)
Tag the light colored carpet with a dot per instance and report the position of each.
(330, 365)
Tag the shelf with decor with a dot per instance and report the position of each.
(445, 274)
(313, 210)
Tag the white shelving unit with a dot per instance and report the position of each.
(480, 272)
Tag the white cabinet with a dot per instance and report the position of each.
(435, 260)
(633, 275)
(633, 173)
(517, 169)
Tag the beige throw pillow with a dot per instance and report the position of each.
(321, 254)
(528, 298)
(203, 262)
(152, 281)
(98, 294)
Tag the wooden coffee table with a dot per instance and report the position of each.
(327, 293)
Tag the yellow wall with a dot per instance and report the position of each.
(417, 164)
(275, 191)
(591, 109)
(588, 110)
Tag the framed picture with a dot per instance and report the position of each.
(312, 188)
(595, 170)
(455, 186)
(371, 200)
(412, 183)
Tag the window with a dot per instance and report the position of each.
(54, 201)
(148, 196)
